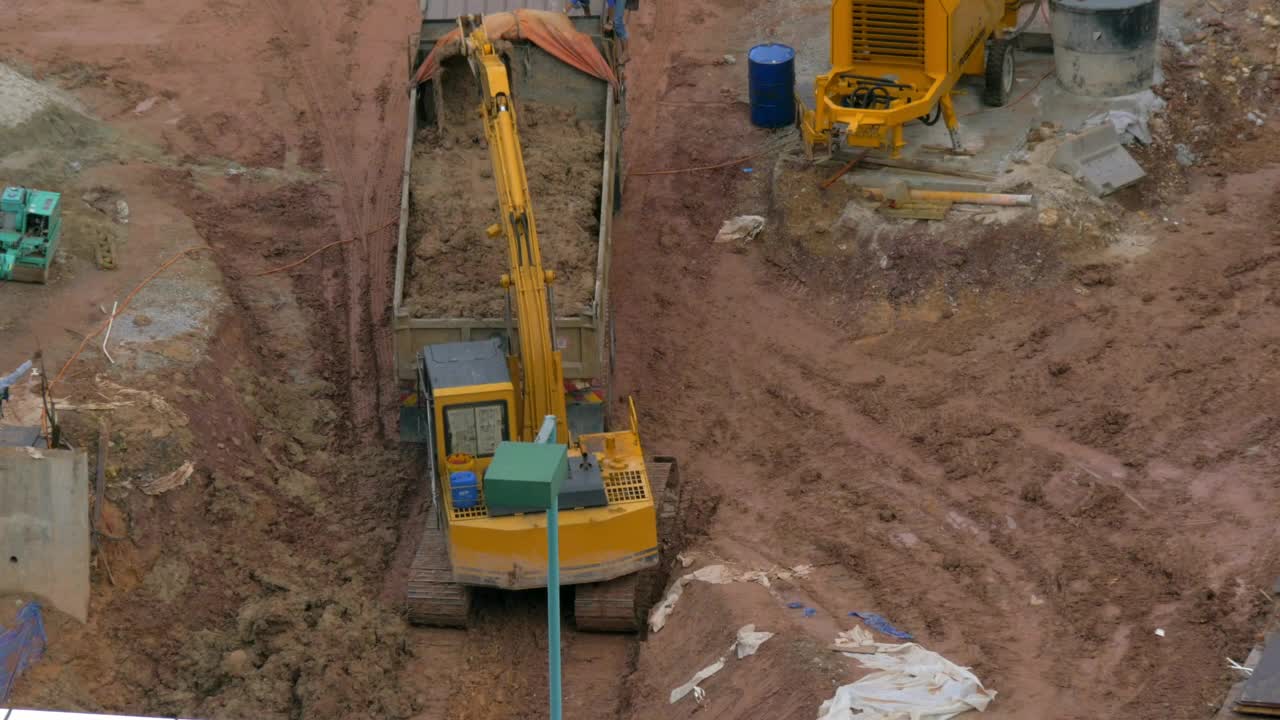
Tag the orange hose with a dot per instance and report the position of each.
(165, 266)
(319, 250)
(123, 305)
(304, 258)
(44, 419)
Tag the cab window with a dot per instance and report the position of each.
(475, 429)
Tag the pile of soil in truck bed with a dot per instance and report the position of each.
(453, 266)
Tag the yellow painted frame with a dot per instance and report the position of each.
(954, 33)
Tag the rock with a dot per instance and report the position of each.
(1270, 21)
(122, 212)
(743, 228)
(1049, 217)
(1184, 156)
(236, 663)
(141, 320)
(1215, 206)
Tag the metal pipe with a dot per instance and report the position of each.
(547, 434)
(955, 196)
(553, 605)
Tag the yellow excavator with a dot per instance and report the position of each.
(477, 395)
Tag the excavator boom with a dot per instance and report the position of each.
(540, 376)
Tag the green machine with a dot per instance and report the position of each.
(30, 226)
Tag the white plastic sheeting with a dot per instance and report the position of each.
(716, 575)
(913, 684)
(698, 677)
(744, 645)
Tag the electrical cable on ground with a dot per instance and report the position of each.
(1021, 97)
(779, 146)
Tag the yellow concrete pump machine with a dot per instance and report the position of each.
(895, 61)
(477, 396)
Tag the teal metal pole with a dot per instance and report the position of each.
(553, 604)
(547, 434)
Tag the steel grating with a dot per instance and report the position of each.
(625, 486)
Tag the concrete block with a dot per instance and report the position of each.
(44, 526)
(1097, 160)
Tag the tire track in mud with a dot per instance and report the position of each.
(365, 197)
(936, 485)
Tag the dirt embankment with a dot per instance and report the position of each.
(1029, 448)
(454, 265)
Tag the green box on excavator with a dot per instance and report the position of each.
(30, 227)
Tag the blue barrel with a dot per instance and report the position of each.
(771, 80)
(464, 489)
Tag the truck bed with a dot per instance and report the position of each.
(453, 267)
(448, 295)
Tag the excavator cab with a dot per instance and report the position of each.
(467, 400)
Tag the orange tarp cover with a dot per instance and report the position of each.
(551, 31)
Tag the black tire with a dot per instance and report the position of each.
(999, 73)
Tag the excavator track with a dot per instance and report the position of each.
(621, 604)
(433, 597)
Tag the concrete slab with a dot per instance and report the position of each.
(44, 526)
(1227, 711)
(1098, 161)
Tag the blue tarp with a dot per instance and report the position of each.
(20, 646)
(875, 622)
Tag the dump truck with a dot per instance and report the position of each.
(447, 104)
(478, 386)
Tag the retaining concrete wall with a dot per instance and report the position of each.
(44, 526)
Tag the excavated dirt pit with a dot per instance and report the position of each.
(455, 267)
(1029, 446)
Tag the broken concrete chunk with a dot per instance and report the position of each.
(1096, 159)
(743, 228)
(1184, 156)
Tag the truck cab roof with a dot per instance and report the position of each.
(465, 364)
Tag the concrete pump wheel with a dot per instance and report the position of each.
(1000, 73)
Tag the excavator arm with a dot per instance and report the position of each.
(537, 368)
